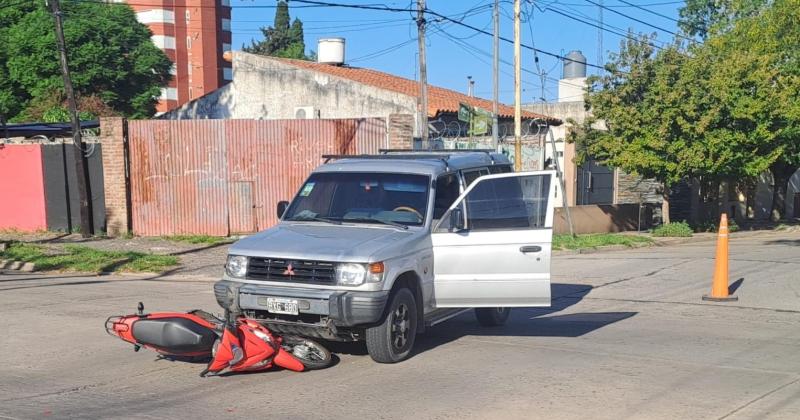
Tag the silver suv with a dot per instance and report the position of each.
(377, 247)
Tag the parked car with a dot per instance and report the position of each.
(378, 247)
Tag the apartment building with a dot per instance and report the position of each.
(194, 34)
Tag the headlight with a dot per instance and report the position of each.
(357, 274)
(350, 274)
(236, 266)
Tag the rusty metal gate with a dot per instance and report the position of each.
(221, 177)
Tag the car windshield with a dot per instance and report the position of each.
(378, 198)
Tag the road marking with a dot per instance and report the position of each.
(760, 398)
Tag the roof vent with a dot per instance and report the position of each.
(330, 51)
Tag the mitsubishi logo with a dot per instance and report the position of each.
(289, 270)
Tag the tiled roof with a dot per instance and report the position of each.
(440, 100)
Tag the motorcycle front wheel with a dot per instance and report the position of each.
(309, 352)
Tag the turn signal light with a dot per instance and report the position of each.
(376, 268)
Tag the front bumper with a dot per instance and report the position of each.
(342, 308)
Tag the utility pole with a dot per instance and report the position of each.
(422, 100)
(600, 60)
(81, 167)
(517, 92)
(496, 77)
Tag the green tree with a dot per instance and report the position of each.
(281, 39)
(702, 17)
(725, 109)
(634, 124)
(761, 54)
(110, 54)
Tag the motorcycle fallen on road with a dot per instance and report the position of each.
(235, 343)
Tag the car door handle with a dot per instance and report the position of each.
(530, 248)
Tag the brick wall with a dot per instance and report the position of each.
(635, 189)
(401, 131)
(112, 137)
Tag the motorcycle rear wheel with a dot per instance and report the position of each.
(309, 352)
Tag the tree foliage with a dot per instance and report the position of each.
(111, 58)
(282, 39)
(728, 108)
(702, 17)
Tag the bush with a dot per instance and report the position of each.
(678, 229)
(709, 226)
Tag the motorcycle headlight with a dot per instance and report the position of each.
(236, 266)
(350, 274)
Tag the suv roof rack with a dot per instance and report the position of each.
(443, 155)
(447, 151)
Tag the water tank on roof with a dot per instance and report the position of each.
(574, 65)
(330, 51)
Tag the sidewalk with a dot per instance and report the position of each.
(196, 260)
(205, 262)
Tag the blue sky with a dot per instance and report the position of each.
(386, 41)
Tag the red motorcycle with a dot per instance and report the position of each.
(236, 343)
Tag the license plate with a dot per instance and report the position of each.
(282, 306)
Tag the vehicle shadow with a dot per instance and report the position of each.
(524, 322)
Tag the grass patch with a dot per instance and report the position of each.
(84, 259)
(674, 230)
(596, 240)
(198, 239)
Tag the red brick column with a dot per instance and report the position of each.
(401, 131)
(115, 180)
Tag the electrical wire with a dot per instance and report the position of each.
(567, 15)
(447, 18)
(677, 35)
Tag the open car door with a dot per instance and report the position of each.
(492, 247)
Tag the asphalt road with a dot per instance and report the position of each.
(627, 337)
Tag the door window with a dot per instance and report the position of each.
(506, 203)
(471, 176)
(447, 191)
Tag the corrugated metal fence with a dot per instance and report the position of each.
(220, 177)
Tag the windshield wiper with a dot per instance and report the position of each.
(314, 219)
(373, 220)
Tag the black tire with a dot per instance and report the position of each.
(310, 353)
(492, 317)
(393, 339)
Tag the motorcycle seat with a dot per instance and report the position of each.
(174, 335)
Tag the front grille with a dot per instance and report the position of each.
(302, 271)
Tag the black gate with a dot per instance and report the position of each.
(595, 184)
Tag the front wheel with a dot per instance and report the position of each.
(309, 352)
(492, 317)
(393, 339)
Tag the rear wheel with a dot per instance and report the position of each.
(393, 339)
(492, 317)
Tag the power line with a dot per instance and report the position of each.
(663, 3)
(639, 20)
(447, 18)
(651, 12)
(601, 28)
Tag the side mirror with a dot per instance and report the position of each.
(456, 219)
(282, 206)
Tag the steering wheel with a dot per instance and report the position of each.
(409, 209)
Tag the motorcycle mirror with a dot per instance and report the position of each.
(140, 307)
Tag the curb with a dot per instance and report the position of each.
(25, 267)
(609, 248)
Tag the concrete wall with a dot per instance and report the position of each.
(217, 105)
(564, 111)
(265, 88)
(602, 218)
(22, 205)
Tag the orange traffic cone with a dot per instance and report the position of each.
(719, 286)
